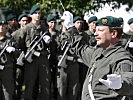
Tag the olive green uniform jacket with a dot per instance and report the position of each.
(112, 60)
(39, 67)
(68, 81)
(6, 74)
(89, 36)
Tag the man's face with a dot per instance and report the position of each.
(103, 36)
(12, 22)
(36, 15)
(2, 28)
(131, 26)
(92, 25)
(78, 24)
(52, 24)
(62, 23)
(23, 21)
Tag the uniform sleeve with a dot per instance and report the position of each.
(29, 34)
(81, 49)
(19, 36)
(126, 71)
(15, 35)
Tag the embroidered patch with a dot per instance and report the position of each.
(126, 67)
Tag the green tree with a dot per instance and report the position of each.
(78, 7)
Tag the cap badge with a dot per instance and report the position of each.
(104, 21)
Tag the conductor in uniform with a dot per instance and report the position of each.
(110, 73)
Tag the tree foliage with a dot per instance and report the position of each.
(78, 7)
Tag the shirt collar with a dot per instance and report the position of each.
(111, 50)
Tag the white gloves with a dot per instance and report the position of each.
(47, 39)
(10, 49)
(113, 81)
(1, 67)
(130, 45)
(68, 19)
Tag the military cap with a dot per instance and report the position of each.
(91, 19)
(121, 19)
(21, 16)
(2, 21)
(51, 18)
(108, 21)
(77, 18)
(10, 17)
(130, 21)
(34, 8)
(61, 20)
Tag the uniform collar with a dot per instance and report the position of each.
(111, 50)
(35, 26)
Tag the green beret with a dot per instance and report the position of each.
(91, 19)
(130, 21)
(51, 18)
(10, 17)
(108, 21)
(21, 16)
(121, 19)
(34, 8)
(77, 18)
(61, 20)
(2, 21)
